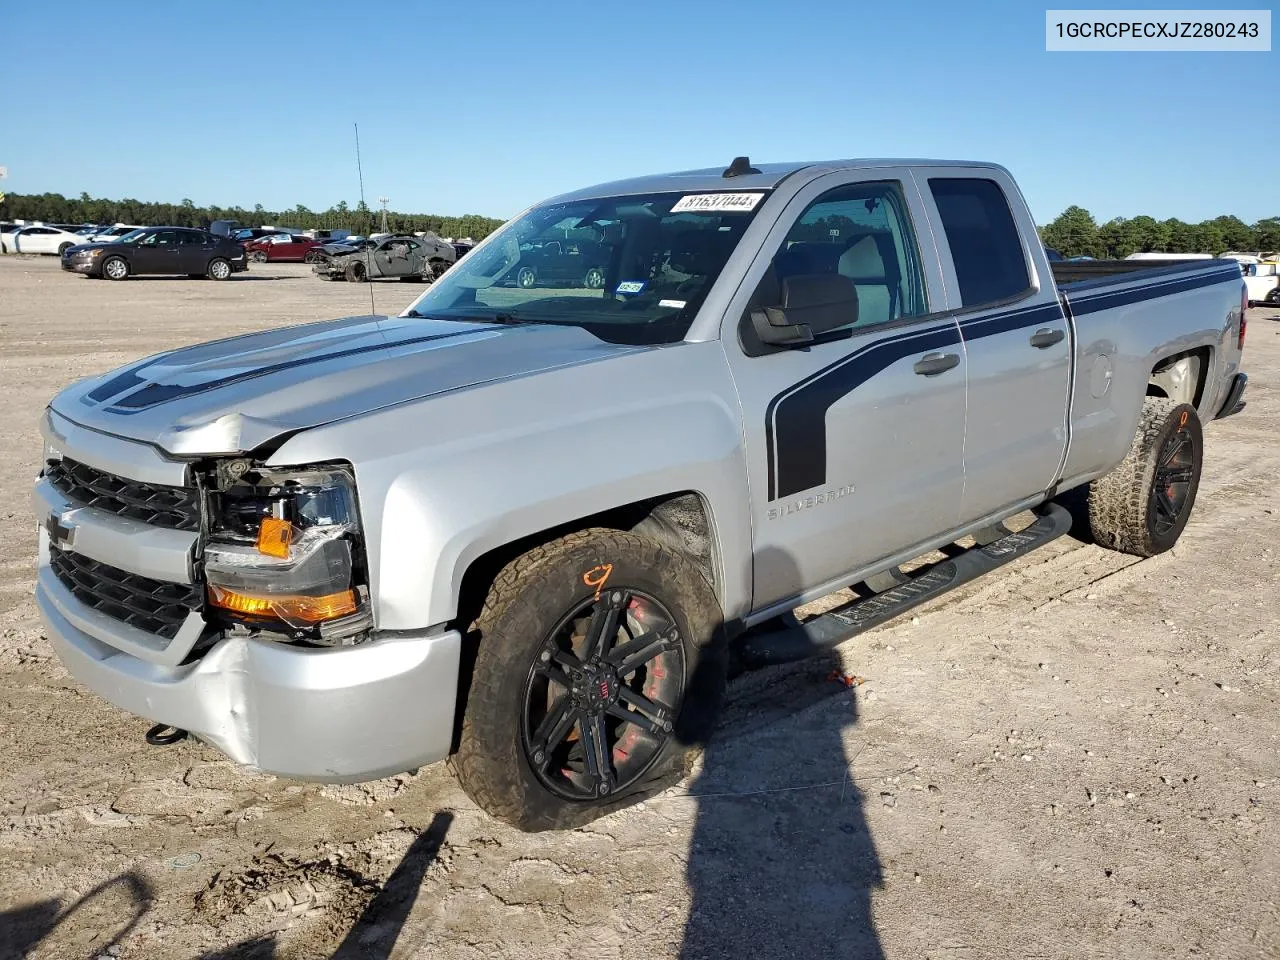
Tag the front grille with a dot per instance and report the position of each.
(155, 606)
(175, 508)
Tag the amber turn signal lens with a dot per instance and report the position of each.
(274, 537)
(292, 609)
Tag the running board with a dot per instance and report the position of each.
(898, 592)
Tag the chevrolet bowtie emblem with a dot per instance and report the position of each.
(61, 534)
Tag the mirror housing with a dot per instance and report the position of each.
(812, 304)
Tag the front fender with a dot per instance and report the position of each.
(443, 481)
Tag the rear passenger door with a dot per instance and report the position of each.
(855, 441)
(1016, 338)
(194, 250)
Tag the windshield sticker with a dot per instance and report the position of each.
(630, 286)
(674, 304)
(718, 203)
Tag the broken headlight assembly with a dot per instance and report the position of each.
(284, 553)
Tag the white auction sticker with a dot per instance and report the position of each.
(717, 203)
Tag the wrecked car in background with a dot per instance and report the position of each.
(402, 256)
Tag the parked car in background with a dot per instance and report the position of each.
(246, 234)
(404, 257)
(109, 234)
(559, 262)
(280, 247)
(39, 239)
(162, 250)
(1273, 298)
(461, 249)
(1261, 279)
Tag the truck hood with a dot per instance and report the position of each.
(233, 395)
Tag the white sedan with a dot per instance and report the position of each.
(112, 234)
(40, 239)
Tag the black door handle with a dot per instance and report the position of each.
(932, 364)
(1046, 337)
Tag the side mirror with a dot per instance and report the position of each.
(812, 304)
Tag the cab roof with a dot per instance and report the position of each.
(713, 179)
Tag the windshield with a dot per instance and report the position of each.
(133, 236)
(629, 269)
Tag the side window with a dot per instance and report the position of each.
(167, 238)
(189, 238)
(985, 246)
(861, 231)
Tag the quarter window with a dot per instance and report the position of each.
(861, 231)
(985, 246)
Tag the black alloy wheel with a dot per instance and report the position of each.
(602, 697)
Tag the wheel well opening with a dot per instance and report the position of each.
(680, 520)
(1181, 377)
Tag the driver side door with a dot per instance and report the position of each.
(855, 440)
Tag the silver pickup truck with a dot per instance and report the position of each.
(529, 527)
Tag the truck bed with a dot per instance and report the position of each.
(1078, 273)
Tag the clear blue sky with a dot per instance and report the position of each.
(478, 107)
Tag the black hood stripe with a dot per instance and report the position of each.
(153, 394)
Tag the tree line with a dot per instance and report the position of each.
(1075, 233)
(55, 208)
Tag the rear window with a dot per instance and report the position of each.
(985, 246)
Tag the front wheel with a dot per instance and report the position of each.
(526, 277)
(312, 257)
(1142, 506)
(600, 662)
(219, 269)
(115, 268)
(258, 256)
(594, 279)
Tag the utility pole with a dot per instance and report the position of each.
(384, 201)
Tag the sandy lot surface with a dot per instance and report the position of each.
(1077, 756)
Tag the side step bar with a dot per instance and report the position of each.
(770, 643)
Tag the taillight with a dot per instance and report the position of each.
(1244, 307)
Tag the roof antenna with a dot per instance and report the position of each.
(740, 167)
(373, 310)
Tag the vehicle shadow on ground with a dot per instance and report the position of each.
(372, 937)
(781, 864)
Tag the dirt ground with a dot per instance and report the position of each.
(1076, 756)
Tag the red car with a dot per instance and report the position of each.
(283, 246)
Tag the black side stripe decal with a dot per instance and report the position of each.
(795, 421)
(1122, 298)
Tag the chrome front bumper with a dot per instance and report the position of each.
(338, 715)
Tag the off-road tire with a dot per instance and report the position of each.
(354, 273)
(528, 598)
(1122, 510)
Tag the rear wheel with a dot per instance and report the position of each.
(219, 269)
(594, 279)
(1142, 506)
(526, 277)
(258, 256)
(115, 268)
(600, 662)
